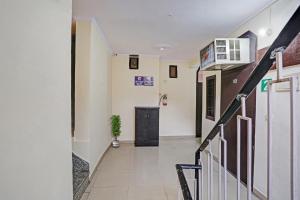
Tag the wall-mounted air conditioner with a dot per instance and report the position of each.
(225, 53)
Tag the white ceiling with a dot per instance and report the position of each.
(142, 26)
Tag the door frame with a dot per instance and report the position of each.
(199, 104)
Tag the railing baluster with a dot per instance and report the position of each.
(222, 140)
(295, 184)
(249, 159)
(269, 161)
(292, 137)
(225, 169)
(197, 162)
(238, 157)
(249, 150)
(210, 182)
(201, 175)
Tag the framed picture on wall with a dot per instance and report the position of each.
(173, 71)
(133, 61)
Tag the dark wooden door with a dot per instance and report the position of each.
(199, 89)
(146, 126)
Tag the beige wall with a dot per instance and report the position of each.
(35, 103)
(178, 117)
(82, 92)
(93, 92)
(125, 96)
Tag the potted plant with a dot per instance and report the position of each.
(115, 130)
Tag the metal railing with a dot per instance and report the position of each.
(288, 33)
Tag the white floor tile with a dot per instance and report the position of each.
(148, 173)
(109, 193)
(85, 196)
(146, 193)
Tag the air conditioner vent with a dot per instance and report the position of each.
(225, 53)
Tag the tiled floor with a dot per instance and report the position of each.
(142, 173)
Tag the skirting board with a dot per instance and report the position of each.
(96, 168)
(177, 137)
(192, 137)
(126, 142)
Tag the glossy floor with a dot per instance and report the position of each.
(144, 173)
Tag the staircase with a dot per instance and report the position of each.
(194, 188)
(81, 174)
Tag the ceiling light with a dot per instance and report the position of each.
(162, 47)
(263, 32)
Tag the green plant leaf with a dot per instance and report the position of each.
(116, 125)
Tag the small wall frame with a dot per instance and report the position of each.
(173, 71)
(134, 62)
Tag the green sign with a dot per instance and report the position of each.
(264, 84)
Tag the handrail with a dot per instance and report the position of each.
(285, 37)
(183, 183)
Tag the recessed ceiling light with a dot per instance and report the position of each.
(162, 47)
(265, 32)
(262, 32)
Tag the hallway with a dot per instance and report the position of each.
(139, 173)
(147, 173)
(176, 78)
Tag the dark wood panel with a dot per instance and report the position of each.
(291, 55)
(146, 126)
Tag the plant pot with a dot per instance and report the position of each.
(115, 143)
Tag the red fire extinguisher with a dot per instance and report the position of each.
(164, 100)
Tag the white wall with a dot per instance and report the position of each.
(35, 103)
(281, 11)
(274, 17)
(179, 116)
(281, 137)
(93, 92)
(125, 96)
